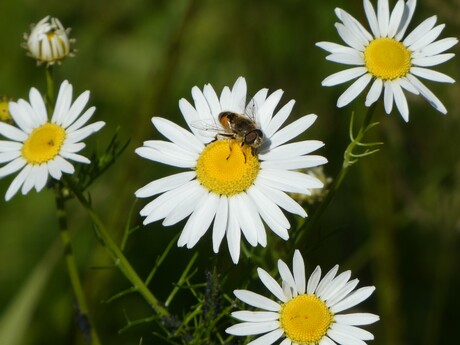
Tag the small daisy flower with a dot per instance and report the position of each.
(228, 181)
(388, 58)
(40, 147)
(5, 115)
(307, 312)
(48, 41)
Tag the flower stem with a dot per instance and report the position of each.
(348, 159)
(49, 88)
(82, 306)
(117, 255)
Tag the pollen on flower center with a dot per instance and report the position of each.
(305, 319)
(43, 144)
(387, 59)
(226, 167)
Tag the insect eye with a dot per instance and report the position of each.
(252, 136)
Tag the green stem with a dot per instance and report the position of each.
(72, 267)
(348, 160)
(117, 255)
(49, 88)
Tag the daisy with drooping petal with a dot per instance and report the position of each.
(40, 147)
(228, 181)
(388, 58)
(308, 312)
(48, 41)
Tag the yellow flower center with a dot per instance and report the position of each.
(226, 167)
(305, 319)
(43, 144)
(4, 112)
(387, 59)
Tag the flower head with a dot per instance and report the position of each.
(230, 181)
(308, 312)
(390, 59)
(5, 115)
(40, 147)
(48, 41)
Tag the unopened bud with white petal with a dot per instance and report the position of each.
(48, 41)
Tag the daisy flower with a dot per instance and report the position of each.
(40, 147)
(388, 58)
(307, 313)
(48, 41)
(227, 181)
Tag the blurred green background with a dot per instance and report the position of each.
(395, 222)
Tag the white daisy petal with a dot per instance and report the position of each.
(298, 268)
(400, 100)
(431, 75)
(38, 105)
(283, 200)
(12, 167)
(356, 319)
(374, 92)
(238, 96)
(428, 61)
(12, 132)
(427, 39)
(388, 96)
(164, 184)
(10, 146)
(213, 100)
(420, 31)
(9, 156)
(349, 38)
(344, 76)
(314, 280)
(268, 338)
(247, 328)
(76, 109)
(383, 16)
(325, 282)
(409, 10)
(271, 284)
(358, 30)
(286, 274)
(372, 18)
(233, 234)
(344, 338)
(82, 120)
(75, 157)
(278, 120)
(354, 90)
(436, 47)
(256, 300)
(265, 112)
(326, 341)
(200, 220)
(353, 299)
(291, 131)
(337, 48)
(220, 223)
(255, 316)
(288, 181)
(395, 18)
(335, 285)
(177, 134)
(270, 213)
(342, 293)
(244, 218)
(42, 177)
(18, 182)
(425, 92)
(353, 331)
(354, 58)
